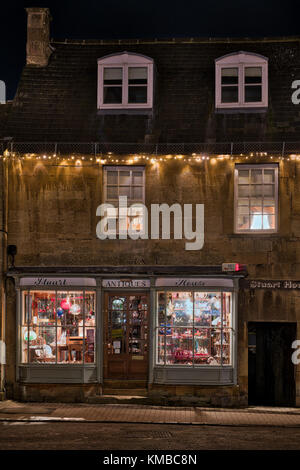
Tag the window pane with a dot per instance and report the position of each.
(137, 177)
(137, 94)
(137, 75)
(243, 210)
(216, 346)
(179, 346)
(70, 310)
(256, 221)
(179, 308)
(124, 177)
(112, 177)
(112, 95)
(42, 345)
(269, 206)
(42, 307)
(160, 358)
(269, 176)
(207, 308)
(243, 190)
(90, 336)
(202, 345)
(253, 75)
(230, 94)
(253, 93)
(243, 176)
(269, 222)
(256, 190)
(243, 223)
(137, 193)
(69, 345)
(256, 176)
(90, 309)
(269, 190)
(227, 309)
(243, 202)
(24, 343)
(124, 191)
(113, 76)
(226, 346)
(161, 308)
(229, 76)
(112, 192)
(256, 205)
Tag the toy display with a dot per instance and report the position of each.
(192, 328)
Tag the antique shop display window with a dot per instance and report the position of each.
(58, 327)
(194, 328)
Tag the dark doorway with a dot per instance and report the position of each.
(271, 372)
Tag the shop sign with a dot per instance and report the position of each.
(193, 282)
(57, 281)
(126, 283)
(269, 284)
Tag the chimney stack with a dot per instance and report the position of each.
(38, 48)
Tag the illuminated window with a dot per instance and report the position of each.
(58, 327)
(194, 329)
(125, 81)
(256, 198)
(241, 81)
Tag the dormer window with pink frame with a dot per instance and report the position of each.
(241, 81)
(125, 81)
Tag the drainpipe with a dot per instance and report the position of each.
(3, 269)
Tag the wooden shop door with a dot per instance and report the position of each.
(271, 373)
(126, 336)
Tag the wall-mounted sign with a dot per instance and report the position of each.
(269, 284)
(126, 283)
(193, 282)
(57, 281)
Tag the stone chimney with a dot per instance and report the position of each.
(38, 48)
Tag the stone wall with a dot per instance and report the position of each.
(52, 221)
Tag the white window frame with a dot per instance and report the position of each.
(130, 201)
(124, 61)
(241, 60)
(255, 167)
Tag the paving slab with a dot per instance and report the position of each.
(135, 413)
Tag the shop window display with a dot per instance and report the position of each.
(58, 327)
(194, 328)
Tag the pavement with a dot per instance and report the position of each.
(144, 414)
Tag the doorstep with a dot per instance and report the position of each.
(118, 399)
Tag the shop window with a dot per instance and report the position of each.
(256, 198)
(129, 182)
(125, 81)
(194, 328)
(241, 81)
(58, 327)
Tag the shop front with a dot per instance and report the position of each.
(159, 331)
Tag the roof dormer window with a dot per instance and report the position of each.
(242, 81)
(125, 81)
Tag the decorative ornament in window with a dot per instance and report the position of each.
(241, 81)
(125, 81)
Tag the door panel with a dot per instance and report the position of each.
(126, 336)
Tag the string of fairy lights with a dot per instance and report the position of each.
(134, 159)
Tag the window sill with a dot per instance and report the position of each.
(130, 111)
(241, 110)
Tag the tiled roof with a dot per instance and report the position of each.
(59, 102)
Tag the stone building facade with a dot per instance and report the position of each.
(85, 317)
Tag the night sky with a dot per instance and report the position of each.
(102, 19)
